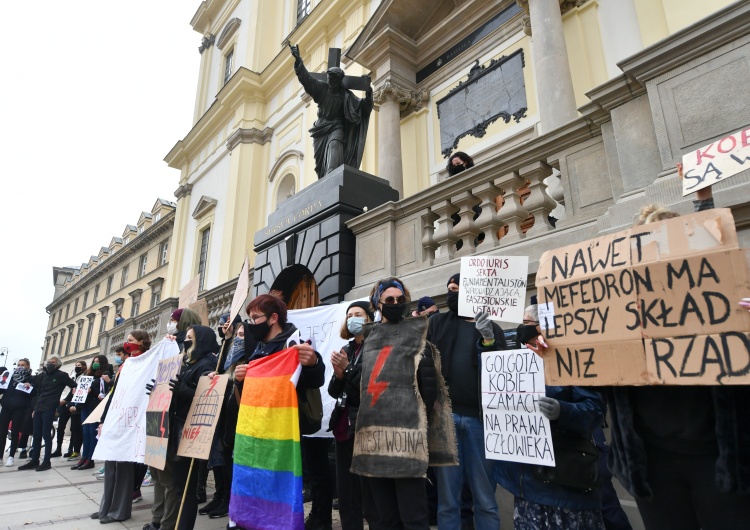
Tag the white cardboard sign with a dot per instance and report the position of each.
(514, 428)
(494, 285)
(82, 390)
(715, 162)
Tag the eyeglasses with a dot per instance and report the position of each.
(254, 320)
(527, 321)
(390, 300)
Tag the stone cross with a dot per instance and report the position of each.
(350, 82)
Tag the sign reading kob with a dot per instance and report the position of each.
(82, 390)
(656, 304)
(716, 161)
(494, 285)
(514, 428)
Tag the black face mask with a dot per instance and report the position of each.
(187, 344)
(78, 369)
(526, 333)
(452, 300)
(394, 312)
(258, 331)
(51, 367)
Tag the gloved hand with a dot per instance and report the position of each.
(180, 389)
(550, 407)
(150, 387)
(484, 325)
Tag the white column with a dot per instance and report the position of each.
(557, 104)
(389, 97)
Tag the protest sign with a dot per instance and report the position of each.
(240, 294)
(716, 162)
(494, 285)
(189, 292)
(200, 307)
(321, 326)
(82, 390)
(656, 304)
(514, 428)
(123, 435)
(96, 414)
(4, 380)
(23, 388)
(157, 412)
(198, 432)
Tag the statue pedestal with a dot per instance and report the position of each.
(308, 233)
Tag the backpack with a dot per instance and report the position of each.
(310, 410)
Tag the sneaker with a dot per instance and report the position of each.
(44, 466)
(222, 510)
(150, 526)
(72, 456)
(9, 463)
(31, 464)
(208, 508)
(67, 454)
(147, 481)
(24, 454)
(99, 476)
(137, 497)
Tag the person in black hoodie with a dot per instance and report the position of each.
(461, 341)
(16, 403)
(200, 359)
(50, 385)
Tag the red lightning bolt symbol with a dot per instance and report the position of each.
(376, 388)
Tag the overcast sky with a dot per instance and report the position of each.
(93, 95)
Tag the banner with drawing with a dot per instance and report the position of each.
(123, 436)
(198, 432)
(157, 412)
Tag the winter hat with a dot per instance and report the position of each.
(176, 314)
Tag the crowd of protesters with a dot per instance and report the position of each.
(682, 452)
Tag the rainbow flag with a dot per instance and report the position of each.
(267, 481)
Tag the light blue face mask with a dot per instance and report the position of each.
(118, 360)
(235, 352)
(355, 325)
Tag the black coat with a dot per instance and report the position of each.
(50, 387)
(348, 385)
(17, 399)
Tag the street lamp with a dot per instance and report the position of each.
(4, 353)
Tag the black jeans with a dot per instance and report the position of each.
(315, 461)
(8, 415)
(76, 429)
(395, 503)
(347, 485)
(43, 428)
(180, 472)
(686, 496)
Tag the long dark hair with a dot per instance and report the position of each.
(103, 366)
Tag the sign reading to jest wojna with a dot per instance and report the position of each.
(716, 162)
(494, 285)
(514, 428)
(656, 304)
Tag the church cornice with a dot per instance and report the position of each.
(249, 136)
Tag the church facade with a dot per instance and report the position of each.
(575, 113)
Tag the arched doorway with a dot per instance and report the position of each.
(298, 286)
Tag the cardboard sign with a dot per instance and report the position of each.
(5, 380)
(656, 304)
(240, 294)
(96, 414)
(494, 285)
(198, 433)
(200, 307)
(189, 292)
(716, 161)
(82, 390)
(514, 428)
(157, 412)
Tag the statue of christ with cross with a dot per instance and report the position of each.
(340, 131)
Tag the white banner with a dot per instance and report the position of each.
(123, 437)
(514, 428)
(494, 285)
(715, 162)
(322, 326)
(82, 390)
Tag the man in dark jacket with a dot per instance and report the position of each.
(50, 385)
(460, 342)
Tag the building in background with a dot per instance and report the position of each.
(574, 112)
(125, 278)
